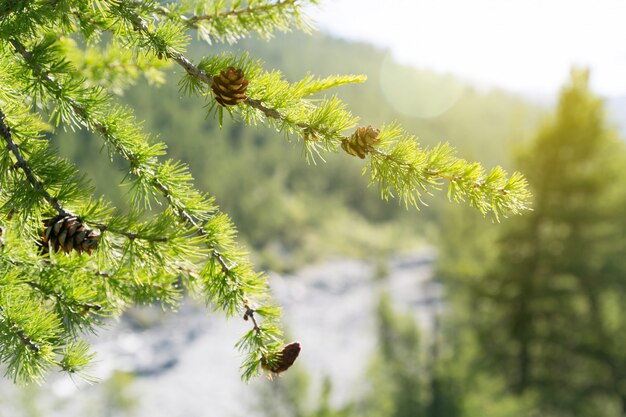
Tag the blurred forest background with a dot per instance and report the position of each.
(533, 314)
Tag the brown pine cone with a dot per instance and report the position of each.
(229, 87)
(361, 142)
(67, 233)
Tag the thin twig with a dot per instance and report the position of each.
(433, 173)
(130, 235)
(249, 314)
(27, 341)
(181, 60)
(62, 299)
(201, 231)
(194, 21)
(84, 307)
(237, 12)
(5, 132)
(269, 112)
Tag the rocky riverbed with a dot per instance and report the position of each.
(185, 364)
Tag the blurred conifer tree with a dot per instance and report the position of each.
(549, 305)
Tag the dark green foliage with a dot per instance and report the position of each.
(547, 306)
(408, 377)
(399, 378)
(289, 396)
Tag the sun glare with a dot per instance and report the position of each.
(526, 46)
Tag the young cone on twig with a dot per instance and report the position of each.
(284, 359)
(229, 87)
(361, 141)
(67, 233)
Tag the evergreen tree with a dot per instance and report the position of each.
(69, 260)
(550, 311)
(398, 375)
(291, 397)
(401, 365)
(407, 379)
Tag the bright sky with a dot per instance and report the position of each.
(526, 46)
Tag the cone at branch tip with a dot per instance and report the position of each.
(284, 359)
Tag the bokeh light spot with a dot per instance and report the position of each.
(420, 94)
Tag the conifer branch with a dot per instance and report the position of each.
(21, 335)
(249, 315)
(103, 129)
(83, 307)
(5, 131)
(226, 269)
(236, 280)
(453, 176)
(25, 339)
(492, 192)
(307, 130)
(98, 125)
(57, 295)
(140, 25)
(402, 169)
(269, 112)
(411, 168)
(250, 10)
(233, 23)
(128, 234)
(499, 195)
(48, 298)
